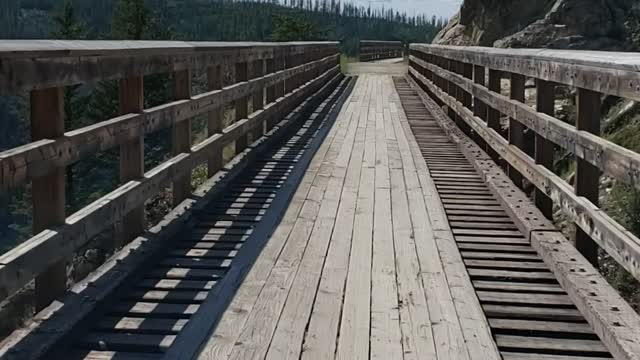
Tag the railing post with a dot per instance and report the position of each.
(278, 65)
(48, 191)
(516, 129)
(181, 134)
(493, 115)
(466, 70)
(451, 90)
(258, 98)
(241, 106)
(131, 100)
(214, 118)
(479, 108)
(271, 90)
(587, 177)
(545, 99)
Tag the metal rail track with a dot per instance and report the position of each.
(530, 315)
(154, 310)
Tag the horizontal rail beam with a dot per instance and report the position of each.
(39, 64)
(612, 73)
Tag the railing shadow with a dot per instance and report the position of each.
(171, 309)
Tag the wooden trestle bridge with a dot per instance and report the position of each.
(371, 215)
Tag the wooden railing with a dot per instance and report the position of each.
(284, 74)
(466, 83)
(379, 50)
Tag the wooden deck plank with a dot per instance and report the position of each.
(417, 335)
(385, 319)
(290, 331)
(320, 340)
(254, 339)
(353, 342)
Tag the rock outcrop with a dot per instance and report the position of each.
(561, 24)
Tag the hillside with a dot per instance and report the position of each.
(560, 24)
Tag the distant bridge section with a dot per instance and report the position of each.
(372, 50)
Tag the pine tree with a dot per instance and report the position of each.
(130, 20)
(68, 27)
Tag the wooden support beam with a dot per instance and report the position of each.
(545, 102)
(493, 119)
(516, 129)
(241, 105)
(479, 108)
(181, 135)
(587, 177)
(493, 115)
(48, 191)
(131, 100)
(214, 119)
(451, 90)
(271, 91)
(257, 97)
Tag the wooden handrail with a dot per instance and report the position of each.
(613, 73)
(39, 64)
(622, 164)
(20, 164)
(36, 65)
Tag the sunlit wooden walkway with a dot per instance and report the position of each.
(355, 270)
(377, 215)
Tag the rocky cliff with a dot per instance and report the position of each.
(561, 24)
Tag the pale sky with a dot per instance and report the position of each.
(444, 8)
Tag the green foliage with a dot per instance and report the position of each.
(66, 24)
(130, 20)
(294, 28)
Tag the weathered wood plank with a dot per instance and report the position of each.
(354, 341)
(320, 339)
(604, 72)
